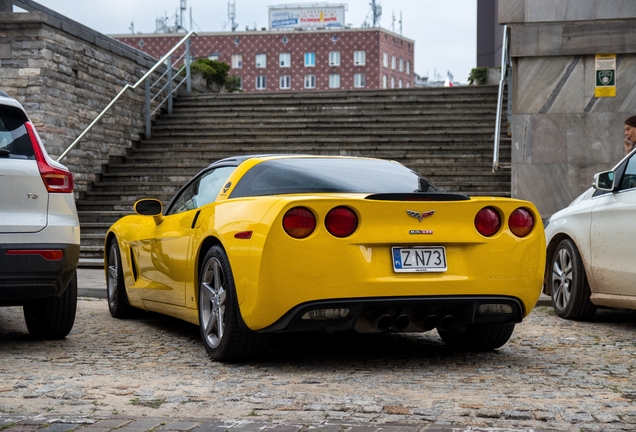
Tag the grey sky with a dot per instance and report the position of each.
(444, 30)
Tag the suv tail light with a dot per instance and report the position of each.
(299, 222)
(487, 221)
(521, 222)
(56, 180)
(341, 222)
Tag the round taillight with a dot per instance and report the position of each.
(521, 222)
(487, 221)
(299, 222)
(341, 222)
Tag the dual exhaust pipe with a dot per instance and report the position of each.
(384, 322)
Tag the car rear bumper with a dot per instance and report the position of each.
(28, 277)
(408, 314)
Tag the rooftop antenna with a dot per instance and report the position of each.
(393, 22)
(400, 23)
(132, 27)
(231, 13)
(376, 9)
(182, 8)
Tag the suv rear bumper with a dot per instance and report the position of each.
(24, 278)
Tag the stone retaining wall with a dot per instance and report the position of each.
(64, 74)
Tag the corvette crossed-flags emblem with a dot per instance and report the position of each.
(419, 216)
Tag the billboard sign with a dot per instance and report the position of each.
(314, 16)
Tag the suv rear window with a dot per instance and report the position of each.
(14, 139)
(312, 175)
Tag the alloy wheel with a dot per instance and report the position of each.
(562, 278)
(213, 295)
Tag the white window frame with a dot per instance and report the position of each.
(401, 65)
(261, 60)
(240, 84)
(284, 83)
(334, 58)
(393, 62)
(237, 61)
(261, 82)
(310, 81)
(384, 81)
(334, 81)
(400, 83)
(385, 60)
(284, 60)
(359, 80)
(359, 58)
(214, 57)
(392, 82)
(408, 67)
(310, 59)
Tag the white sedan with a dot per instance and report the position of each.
(591, 246)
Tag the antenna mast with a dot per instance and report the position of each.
(376, 9)
(231, 13)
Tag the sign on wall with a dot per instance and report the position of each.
(306, 17)
(605, 70)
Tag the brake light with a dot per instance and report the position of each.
(299, 222)
(47, 254)
(55, 179)
(487, 221)
(521, 222)
(341, 222)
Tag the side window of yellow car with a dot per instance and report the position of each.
(201, 191)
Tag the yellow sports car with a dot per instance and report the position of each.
(260, 244)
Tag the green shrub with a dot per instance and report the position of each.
(478, 75)
(213, 70)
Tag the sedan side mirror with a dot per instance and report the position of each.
(604, 181)
(150, 207)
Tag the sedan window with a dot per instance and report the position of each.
(628, 180)
(200, 191)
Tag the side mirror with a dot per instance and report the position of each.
(604, 181)
(150, 207)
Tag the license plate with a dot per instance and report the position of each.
(419, 259)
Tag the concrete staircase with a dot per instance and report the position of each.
(445, 134)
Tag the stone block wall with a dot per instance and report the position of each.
(561, 133)
(64, 74)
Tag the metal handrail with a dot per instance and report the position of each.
(504, 72)
(161, 62)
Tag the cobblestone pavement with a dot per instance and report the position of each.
(153, 372)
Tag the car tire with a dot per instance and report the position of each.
(223, 337)
(116, 295)
(477, 337)
(52, 318)
(568, 283)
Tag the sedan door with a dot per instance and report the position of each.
(613, 238)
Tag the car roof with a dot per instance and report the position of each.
(237, 160)
(7, 100)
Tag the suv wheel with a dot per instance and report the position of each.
(53, 318)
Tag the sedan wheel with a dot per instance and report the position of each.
(223, 337)
(568, 283)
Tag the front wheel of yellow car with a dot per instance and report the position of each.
(115, 287)
(477, 337)
(223, 337)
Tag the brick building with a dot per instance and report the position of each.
(300, 60)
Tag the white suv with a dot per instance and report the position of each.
(39, 229)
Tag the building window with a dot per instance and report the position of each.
(214, 56)
(285, 82)
(408, 67)
(261, 82)
(385, 60)
(334, 58)
(310, 81)
(237, 41)
(237, 61)
(401, 65)
(240, 82)
(285, 59)
(310, 59)
(284, 39)
(393, 62)
(392, 82)
(400, 84)
(383, 81)
(334, 81)
(261, 60)
(334, 38)
(359, 58)
(408, 84)
(358, 80)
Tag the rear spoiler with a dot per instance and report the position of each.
(419, 196)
